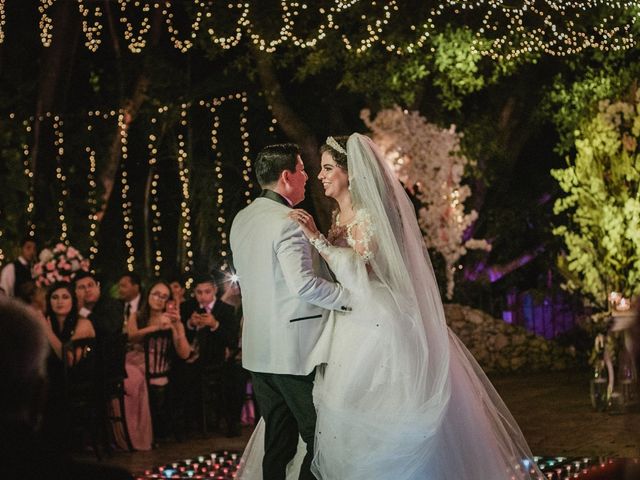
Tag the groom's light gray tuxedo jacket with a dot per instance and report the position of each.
(286, 296)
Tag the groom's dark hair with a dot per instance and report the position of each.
(275, 159)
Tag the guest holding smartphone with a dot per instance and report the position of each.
(210, 326)
(156, 314)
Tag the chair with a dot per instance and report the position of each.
(82, 387)
(113, 356)
(158, 350)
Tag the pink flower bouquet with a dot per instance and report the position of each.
(58, 264)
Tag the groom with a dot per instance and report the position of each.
(286, 298)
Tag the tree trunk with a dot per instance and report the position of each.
(131, 107)
(296, 129)
(56, 60)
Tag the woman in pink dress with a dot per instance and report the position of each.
(153, 316)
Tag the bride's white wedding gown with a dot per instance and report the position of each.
(376, 420)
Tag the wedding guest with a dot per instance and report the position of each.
(61, 319)
(24, 453)
(104, 312)
(177, 290)
(18, 272)
(155, 314)
(210, 326)
(130, 292)
(61, 324)
(33, 295)
(233, 376)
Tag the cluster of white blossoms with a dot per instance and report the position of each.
(427, 159)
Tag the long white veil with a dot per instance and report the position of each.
(458, 408)
(412, 403)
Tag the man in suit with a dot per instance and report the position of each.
(211, 329)
(130, 294)
(104, 312)
(18, 273)
(286, 298)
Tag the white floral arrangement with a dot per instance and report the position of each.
(58, 265)
(428, 160)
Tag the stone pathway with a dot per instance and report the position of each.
(555, 414)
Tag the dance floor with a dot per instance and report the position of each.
(552, 408)
(224, 465)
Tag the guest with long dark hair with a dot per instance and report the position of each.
(62, 322)
(152, 317)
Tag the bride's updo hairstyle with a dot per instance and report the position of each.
(339, 157)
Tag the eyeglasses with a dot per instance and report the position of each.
(160, 296)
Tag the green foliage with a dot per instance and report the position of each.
(448, 64)
(602, 203)
(576, 92)
(460, 69)
(14, 188)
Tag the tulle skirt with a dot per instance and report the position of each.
(373, 424)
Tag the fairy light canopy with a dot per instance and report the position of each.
(504, 29)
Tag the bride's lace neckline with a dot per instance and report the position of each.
(337, 232)
(342, 235)
(336, 219)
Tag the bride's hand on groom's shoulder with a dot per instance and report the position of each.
(306, 222)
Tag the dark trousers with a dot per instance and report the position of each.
(286, 404)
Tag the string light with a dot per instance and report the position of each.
(93, 188)
(136, 42)
(182, 45)
(217, 166)
(123, 128)
(558, 27)
(3, 21)
(156, 227)
(28, 173)
(46, 22)
(560, 31)
(218, 185)
(62, 179)
(92, 32)
(183, 172)
(244, 135)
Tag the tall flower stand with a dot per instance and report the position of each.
(623, 376)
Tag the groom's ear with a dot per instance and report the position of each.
(284, 176)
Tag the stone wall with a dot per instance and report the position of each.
(500, 347)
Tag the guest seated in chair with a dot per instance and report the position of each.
(104, 312)
(61, 324)
(24, 452)
(61, 321)
(212, 332)
(156, 314)
(177, 290)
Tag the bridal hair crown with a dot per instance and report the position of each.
(335, 145)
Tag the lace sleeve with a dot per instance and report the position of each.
(360, 236)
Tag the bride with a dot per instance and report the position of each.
(400, 397)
